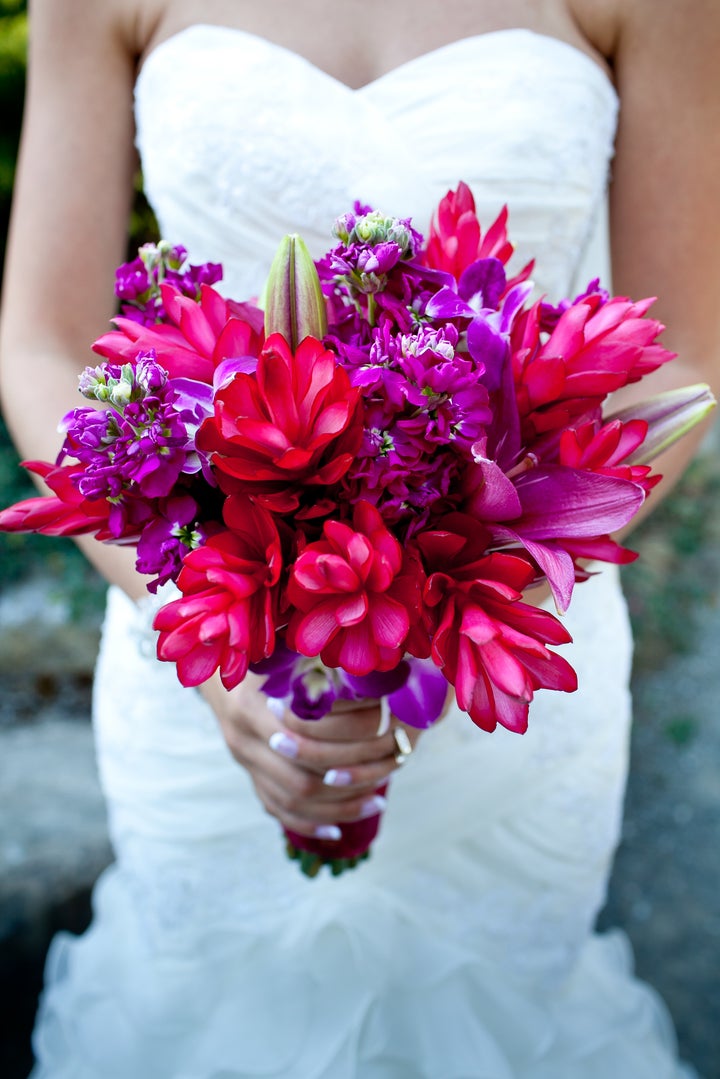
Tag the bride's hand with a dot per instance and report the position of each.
(310, 774)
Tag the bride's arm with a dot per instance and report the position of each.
(69, 224)
(68, 233)
(665, 192)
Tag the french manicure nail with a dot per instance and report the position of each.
(283, 744)
(328, 831)
(384, 717)
(337, 777)
(373, 805)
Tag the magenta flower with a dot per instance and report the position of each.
(605, 448)
(415, 689)
(490, 646)
(456, 240)
(292, 424)
(354, 595)
(67, 512)
(193, 341)
(137, 283)
(597, 346)
(166, 539)
(226, 618)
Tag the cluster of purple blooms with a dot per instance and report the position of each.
(137, 283)
(140, 444)
(427, 375)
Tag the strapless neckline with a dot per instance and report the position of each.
(233, 155)
(570, 52)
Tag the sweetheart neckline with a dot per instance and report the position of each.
(602, 77)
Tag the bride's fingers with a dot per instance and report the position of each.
(320, 756)
(352, 725)
(305, 817)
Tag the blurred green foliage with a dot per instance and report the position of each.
(675, 574)
(13, 47)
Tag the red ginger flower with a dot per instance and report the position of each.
(355, 595)
(293, 423)
(456, 240)
(194, 340)
(603, 447)
(490, 645)
(226, 618)
(66, 512)
(596, 347)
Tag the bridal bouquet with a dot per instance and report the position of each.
(352, 485)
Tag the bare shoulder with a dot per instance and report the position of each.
(621, 29)
(86, 28)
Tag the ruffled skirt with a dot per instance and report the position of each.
(463, 949)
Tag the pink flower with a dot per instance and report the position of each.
(66, 512)
(355, 596)
(226, 618)
(293, 423)
(194, 340)
(603, 448)
(455, 239)
(489, 644)
(596, 347)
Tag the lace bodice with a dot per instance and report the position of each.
(235, 155)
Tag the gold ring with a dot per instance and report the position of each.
(403, 745)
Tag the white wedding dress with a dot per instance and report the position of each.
(464, 948)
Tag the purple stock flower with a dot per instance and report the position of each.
(425, 407)
(170, 534)
(141, 443)
(137, 283)
(372, 245)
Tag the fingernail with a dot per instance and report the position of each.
(283, 744)
(328, 831)
(276, 706)
(337, 777)
(384, 717)
(373, 805)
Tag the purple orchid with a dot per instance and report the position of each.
(415, 690)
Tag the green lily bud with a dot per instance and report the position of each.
(293, 301)
(670, 415)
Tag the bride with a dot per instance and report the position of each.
(464, 949)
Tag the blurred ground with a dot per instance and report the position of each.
(666, 884)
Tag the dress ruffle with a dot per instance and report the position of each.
(362, 994)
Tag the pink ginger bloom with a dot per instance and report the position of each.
(490, 645)
(456, 240)
(66, 512)
(596, 347)
(355, 596)
(604, 447)
(294, 422)
(226, 618)
(193, 342)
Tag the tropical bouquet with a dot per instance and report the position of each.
(352, 483)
